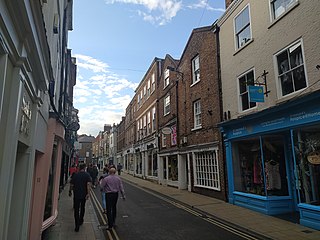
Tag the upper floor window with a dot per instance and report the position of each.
(244, 81)
(148, 89)
(278, 7)
(153, 82)
(166, 108)
(195, 69)
(242, 27)
(153, 118)
(166, 78)
(197, 114)
(291, 75)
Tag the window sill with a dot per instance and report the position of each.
(196, 128)
(243, 47)
(274, 21)
(166, 114)
(194, 83)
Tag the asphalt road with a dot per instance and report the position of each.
(146, 215)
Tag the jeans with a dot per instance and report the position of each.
(103, 196)
(79, 209)
(111, 199)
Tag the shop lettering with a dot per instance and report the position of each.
(272, 122)
(303, 115)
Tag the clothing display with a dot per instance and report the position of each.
(273, 178)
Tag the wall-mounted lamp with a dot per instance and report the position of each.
(175, 70)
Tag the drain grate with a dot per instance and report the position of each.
(307, 231)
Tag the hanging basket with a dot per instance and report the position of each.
(314, 158)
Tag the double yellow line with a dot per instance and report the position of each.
(96, 203)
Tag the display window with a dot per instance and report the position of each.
(260, 166)
(173, 168)
(307, 160)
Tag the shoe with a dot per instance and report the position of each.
(76, 229)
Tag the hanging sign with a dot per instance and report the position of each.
(256, 94)
(314, 158)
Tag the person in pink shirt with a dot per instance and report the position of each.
(112, 185)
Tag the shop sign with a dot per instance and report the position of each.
(314, 158)
(166, 130)
(256, 94)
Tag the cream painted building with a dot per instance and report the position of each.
(270, 74)
(33, 37)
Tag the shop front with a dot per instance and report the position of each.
(273, 160)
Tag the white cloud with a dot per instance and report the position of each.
(100, 95)
(158, 11)
(204, 4)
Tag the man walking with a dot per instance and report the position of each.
(80, 184)
(112, 185)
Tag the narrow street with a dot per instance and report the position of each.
(148, 215)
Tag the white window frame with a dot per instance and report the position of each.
(197, 114)
(164, 140)
(206, 169)
(166, 79)
(246, 93)
(239, 44)
(148, 123)
(149, 88)
(286, 6)
(195, 69)
(153, 119)
(290, 71)
(153, 83)
(166, 105)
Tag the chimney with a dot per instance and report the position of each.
(228, 2)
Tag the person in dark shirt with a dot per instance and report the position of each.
(80, 184)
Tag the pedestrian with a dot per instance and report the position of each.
(93, 171)
(80, 184)
(119, 168)
(103, 194)
(112, 185)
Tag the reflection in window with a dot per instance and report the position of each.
(257, 174)
(280, 6)
(245, 81)
(307, 150)
(291, 69)
(242, 27)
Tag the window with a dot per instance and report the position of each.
(164, 140)
(166, 78)
(153, 83)
(242, 27)
(245, 81)
(153, 119)
(145, 91)
(166, 105)
(148, 90)
(278, 7)
(206, 170)
(197, 114)
(195, 70)
(149, 123)
(291, 75)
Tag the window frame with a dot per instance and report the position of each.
(246, 92)
(166, 105)
(195, 72)
(166, 78)
(197, 116)
(287, 7)
(206, 169)
(291, 69)
(239, 45)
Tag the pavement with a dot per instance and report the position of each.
(263, 226)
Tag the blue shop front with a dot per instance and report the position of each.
(273, 159)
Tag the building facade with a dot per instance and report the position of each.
(34, 120)
(270, 84)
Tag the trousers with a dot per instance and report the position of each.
(111, 202)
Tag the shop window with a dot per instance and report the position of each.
(206, 170)
(307, 157)
(173, 168)
(246, 80)
(242, 28)
(291, 75)
(139, 163)
(259, 166)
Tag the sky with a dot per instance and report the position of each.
(115, 41)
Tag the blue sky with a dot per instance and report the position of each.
(115, 42)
